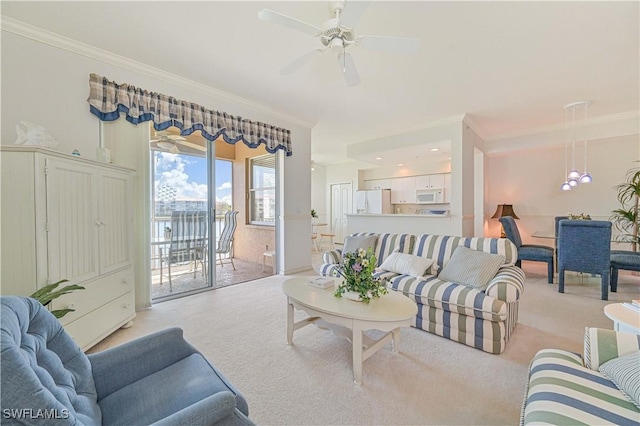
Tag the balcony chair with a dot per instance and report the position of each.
(585, 246)
(625, 260)
(226, 237)
(533, 252)
(157, 379)
(188, 241)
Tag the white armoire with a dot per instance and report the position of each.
(66, 217)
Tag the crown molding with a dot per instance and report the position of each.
(65, 43)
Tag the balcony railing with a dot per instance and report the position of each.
(158, 225)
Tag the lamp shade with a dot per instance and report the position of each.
(504, 210)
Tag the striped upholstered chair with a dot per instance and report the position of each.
(565, 388)
(534, 252)
(585, 246)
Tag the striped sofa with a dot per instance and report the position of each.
(481, 319)
(567, 389)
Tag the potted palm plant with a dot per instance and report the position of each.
(50, 292)
(626, 218)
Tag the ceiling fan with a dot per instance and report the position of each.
(170, 142)
(338, 34)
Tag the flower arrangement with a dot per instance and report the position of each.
(581, 216)
(357, 270)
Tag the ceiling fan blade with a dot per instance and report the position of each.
(389, 44)
(349, 69)
(287, 21)
(174, 149)
(193, 145)
(352, 12)
(300, 62)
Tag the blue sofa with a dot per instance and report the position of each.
(157, 379)
(483, 318)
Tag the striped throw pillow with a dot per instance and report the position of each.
(602, 345)
(624, 372)
(471, 267)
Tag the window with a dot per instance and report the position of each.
(262, 190)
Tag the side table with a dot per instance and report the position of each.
(624, 319)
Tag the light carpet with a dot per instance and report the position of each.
(242, 330)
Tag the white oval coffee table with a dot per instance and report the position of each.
(349, 318)
(624, 319)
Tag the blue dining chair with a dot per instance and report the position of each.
(625, 260)
(585, 246)
(533, 252)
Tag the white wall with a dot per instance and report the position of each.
(319, 190)
(531, 179)
(50, 86)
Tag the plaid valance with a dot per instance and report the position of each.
(108, 99)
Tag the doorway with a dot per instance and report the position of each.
(194, 177)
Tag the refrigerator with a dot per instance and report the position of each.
(373, 201)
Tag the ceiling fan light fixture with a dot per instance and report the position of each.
(336, 45)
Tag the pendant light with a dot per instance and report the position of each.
(585, 177)
(565, 185)
(574, 177)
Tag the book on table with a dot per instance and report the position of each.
(321, 282)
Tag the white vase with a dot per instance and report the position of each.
(352, 295)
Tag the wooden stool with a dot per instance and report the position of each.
(330, 237)
(271, 254)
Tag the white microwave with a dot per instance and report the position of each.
(430, 196)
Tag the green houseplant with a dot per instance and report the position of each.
(626, 219)
(357, 270)
(48, 293)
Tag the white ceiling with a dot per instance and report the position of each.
(511, 66)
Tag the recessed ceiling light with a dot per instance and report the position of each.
(378, 158)
(435, 149)
(400, 165)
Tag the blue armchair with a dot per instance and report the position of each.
(585, 246)
(157, 379)
(532, 252)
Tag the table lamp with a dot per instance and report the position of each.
(502, 211)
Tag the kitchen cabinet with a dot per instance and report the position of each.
(65, 217)
(403, 190)
(430, 181)
(377, 184)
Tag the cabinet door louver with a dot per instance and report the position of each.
(71, 213)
